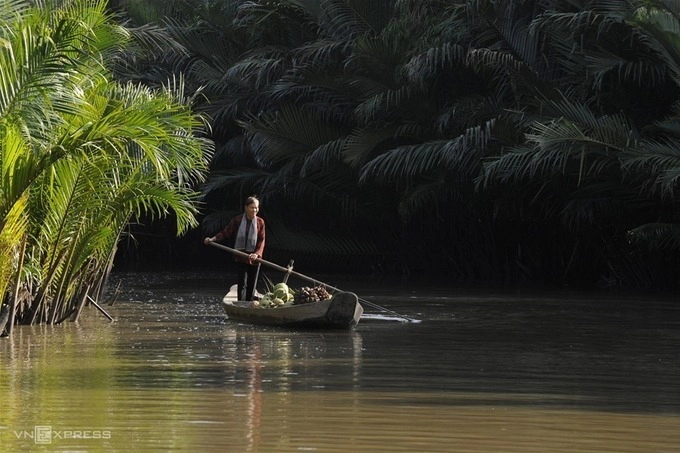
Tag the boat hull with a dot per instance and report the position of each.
(342, 311)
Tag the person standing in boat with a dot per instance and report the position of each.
(249, 230)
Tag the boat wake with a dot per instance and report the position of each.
(380, 317)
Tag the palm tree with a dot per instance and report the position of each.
(536, 138)
(81, 155)
(266, 69)
(357, 121)
(596, 155)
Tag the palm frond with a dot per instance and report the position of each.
(154, 38)
(80, 154)
(13, 230)
(657, 236)
(406, 162)
(321, 53)
(421, 68)
(237, 179)
(382, 101)
(657, 162)
(324, 156)
(316, 89)
(11, 9)
(459, 155)
(523, 163)
(348, 19)
(286, 22)
(289, 132)
(378, 57)
(575, 124)
(361, 145)
(258, 70)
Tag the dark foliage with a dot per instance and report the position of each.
(530, 141)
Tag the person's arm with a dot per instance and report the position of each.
(228, 231)
(259, 247)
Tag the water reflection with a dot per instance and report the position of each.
(481, 372)
(255, 400)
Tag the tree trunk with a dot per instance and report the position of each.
(4, 316)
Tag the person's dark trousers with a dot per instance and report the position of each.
(246, 281)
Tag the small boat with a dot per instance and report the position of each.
(342, 311)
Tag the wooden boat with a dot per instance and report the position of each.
(342, 311)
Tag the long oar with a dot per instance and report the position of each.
(289, 271)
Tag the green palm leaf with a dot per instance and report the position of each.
(80, 156)
(660, 236)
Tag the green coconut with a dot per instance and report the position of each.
(282, 286)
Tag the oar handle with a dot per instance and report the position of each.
(288, 270)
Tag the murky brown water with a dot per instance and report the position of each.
(482, 372)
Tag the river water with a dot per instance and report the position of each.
(482, 371)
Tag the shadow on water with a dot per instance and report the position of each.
(482, 371)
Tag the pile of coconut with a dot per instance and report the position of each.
(280, 295)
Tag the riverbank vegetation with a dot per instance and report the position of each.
(493, 141)
(81, 156)
(505, 141)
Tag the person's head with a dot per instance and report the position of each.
(252, 206)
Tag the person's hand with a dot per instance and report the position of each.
(208, 240)
(253, 256)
